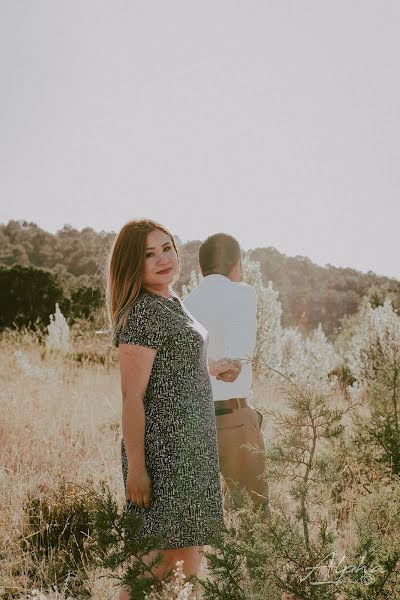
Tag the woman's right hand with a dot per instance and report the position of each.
(138, 486)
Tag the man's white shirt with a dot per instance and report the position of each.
(228, 310)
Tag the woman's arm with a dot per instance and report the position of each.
(136, 363)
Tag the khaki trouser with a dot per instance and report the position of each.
(239, 466)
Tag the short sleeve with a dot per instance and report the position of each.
(145, 325)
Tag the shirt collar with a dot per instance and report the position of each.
(216, 277)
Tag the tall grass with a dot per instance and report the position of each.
(62, 428)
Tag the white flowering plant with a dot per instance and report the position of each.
(374, 359)
(195, 279)
(376, 338)
(58, 338)
(268, 348)
(310, 360)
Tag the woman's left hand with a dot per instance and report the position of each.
(226, 369)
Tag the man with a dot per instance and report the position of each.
(227, 308)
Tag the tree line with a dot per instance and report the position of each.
(38, 268)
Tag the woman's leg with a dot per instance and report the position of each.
(192, 557)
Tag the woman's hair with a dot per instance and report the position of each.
(125, 264)
(218, 254)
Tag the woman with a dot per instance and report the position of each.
(169, 446)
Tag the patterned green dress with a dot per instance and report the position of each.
(181, 450)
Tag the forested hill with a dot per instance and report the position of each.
(309, 293)
(76, 252)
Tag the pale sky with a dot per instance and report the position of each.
(276, 121)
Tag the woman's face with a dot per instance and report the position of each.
(160, 260)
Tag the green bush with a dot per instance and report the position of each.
(27, 297)
(58, 537)
(115, 531)
(375, 554)
(85, 300)
(377, 434)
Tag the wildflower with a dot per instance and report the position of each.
(175, 588)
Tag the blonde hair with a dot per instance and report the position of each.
(124, 277)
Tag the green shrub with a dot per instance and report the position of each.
(28, 296)
(375, 553)
(58, 537)
(115, 531)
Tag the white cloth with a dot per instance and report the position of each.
(228, 310)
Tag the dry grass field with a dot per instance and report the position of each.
(60, 421)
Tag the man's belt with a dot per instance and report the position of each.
(223, 407)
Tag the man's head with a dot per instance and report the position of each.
(220, 254)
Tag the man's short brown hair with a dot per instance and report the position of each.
(218, 254)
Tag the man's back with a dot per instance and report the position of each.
(228, 311)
